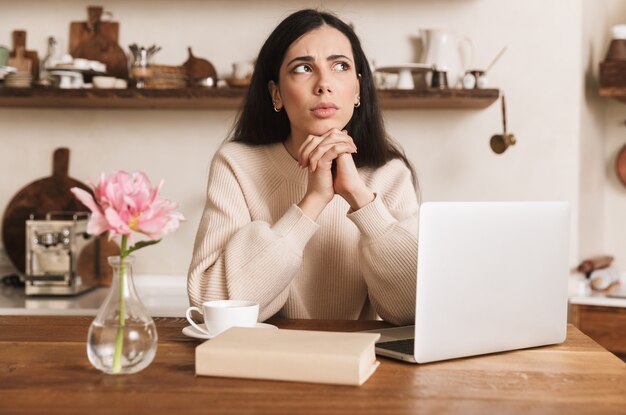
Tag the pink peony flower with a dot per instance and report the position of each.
(126, 203)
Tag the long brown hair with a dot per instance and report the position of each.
(257, 123)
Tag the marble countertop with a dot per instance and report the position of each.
(166, 296)
(163, 296)
(581, 293)
(599, 300)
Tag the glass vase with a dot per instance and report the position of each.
(122, 338)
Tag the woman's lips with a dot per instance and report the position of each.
(324, 110)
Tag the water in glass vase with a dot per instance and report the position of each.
(122, 338)
(137, 351)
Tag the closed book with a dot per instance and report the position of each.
(291, 355)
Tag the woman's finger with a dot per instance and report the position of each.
(313, 149)
(330, 153)
(307, 146)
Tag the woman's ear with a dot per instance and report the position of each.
(275, 94)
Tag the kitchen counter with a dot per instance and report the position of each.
(588, 297)
(163, 296)
(598, 299)
(44, 369)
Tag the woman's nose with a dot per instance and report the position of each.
(323, 85)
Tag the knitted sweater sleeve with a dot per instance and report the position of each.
(237, 258)
(388, 245)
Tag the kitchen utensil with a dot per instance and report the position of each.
(40, 197)
(595, 263)
(448, 52)
(207, 82)
(66, 79)
(405, 73)
(4, 56)
(477, 78)
(198, 68)
(83, 31)
(242, 70)
(104, 82)
(498, 56)
(20, 62)
(500, 142)
(439, 79)
(19, 41)
(141, 64)
(469, 80)
(98, 44)
(19, 79)
(48, 61)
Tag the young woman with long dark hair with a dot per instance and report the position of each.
(311, 208)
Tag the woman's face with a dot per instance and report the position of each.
(318, 85)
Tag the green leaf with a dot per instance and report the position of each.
(142, 244)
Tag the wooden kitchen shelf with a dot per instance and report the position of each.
(618, 93)
(222, 98)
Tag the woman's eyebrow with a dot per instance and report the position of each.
(335, 57)
(309, 58)
(301, 59)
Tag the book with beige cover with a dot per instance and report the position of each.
(291, 355)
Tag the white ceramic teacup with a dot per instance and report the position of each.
(221, 315)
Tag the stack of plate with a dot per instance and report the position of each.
(19, 79)
(5, 70)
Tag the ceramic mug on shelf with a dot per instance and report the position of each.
(4, 56)
(221, 315)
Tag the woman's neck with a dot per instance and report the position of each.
(292, 145)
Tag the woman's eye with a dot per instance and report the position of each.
(302, 69)
(341, 66)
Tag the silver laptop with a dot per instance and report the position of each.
(491, 276)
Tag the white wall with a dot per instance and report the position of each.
(540, 74)
(615, 138)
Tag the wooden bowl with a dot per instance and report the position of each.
(238, 83)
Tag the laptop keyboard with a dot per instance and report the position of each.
(406, 346)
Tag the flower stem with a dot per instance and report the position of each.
(119, 341)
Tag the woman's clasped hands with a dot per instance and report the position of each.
(317, 153)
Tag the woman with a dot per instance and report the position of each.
(311, 210)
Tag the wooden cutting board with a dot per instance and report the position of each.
(47, 195)
(19, 41)
(97, 40)
(82, 31)
(20, 61)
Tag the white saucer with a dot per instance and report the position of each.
(191, 331)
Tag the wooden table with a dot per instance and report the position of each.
(44, 370)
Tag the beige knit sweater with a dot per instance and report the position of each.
(254, 242)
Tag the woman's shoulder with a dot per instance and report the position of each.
(235, 150)
(393, 171)
(238, 153)
(393, 181)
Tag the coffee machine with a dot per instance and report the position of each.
(53, 254)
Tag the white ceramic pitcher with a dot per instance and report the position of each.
(447, 51)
